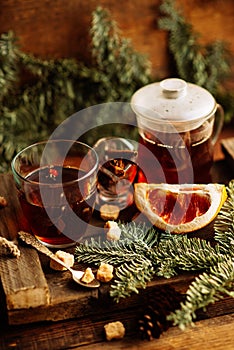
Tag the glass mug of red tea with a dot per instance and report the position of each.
(117, 171)
(178, 125)
(56, 184)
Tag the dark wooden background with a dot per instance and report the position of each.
(60, 28)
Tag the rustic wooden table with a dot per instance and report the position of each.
(64, 316)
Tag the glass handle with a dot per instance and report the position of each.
(218, 123)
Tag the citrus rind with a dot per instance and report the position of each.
(216, 192)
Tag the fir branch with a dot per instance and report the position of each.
(219, 281)
(224, 224)
(183, 43)
(9, 70)
(218, 63)
(55, 89)
(112, 252)
(120, 69)
(166, 254)
(183, 253)
(52, 89)
(131, 255)
(130, 278)
(137, 240)
(204, 65)
(143, 253)
(140, 234)
(206, 289)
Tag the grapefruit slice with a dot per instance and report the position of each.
(180, 208)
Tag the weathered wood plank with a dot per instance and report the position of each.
(23, 281)
(54, 25)
(88, 333)
(22, 278)
(33, 292)
(60, 298)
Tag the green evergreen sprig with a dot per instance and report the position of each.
(183, 253)
(120, 69)
(131, 277)
(52, 90)
(9, 70)
(115, 253)
(205, 65)
(143, 253)
(218, 281)
(205, 290)
(224, 225)
(131, 255)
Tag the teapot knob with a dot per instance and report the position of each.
(173, 88)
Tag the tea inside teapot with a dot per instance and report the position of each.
(176, 131)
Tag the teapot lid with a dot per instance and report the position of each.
(173, 102)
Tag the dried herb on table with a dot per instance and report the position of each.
(8, 248)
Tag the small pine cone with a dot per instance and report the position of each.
(161, 303)
(152, 324)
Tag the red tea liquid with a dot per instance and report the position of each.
(52, 214)
(176, 158)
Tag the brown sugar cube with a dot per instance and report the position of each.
(88, 276)
(109, 212)
(114, 232)
(105, 272)
(3, 202)
(67, 258)
(114, 330)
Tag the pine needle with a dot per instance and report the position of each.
(143, 253)
(204, 65)
(224, 225)
(57, 88)
(205, 290)
(218, 281)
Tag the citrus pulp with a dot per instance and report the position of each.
(180, 208)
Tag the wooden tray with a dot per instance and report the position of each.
(33, 292)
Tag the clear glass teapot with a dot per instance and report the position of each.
(178, 124)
